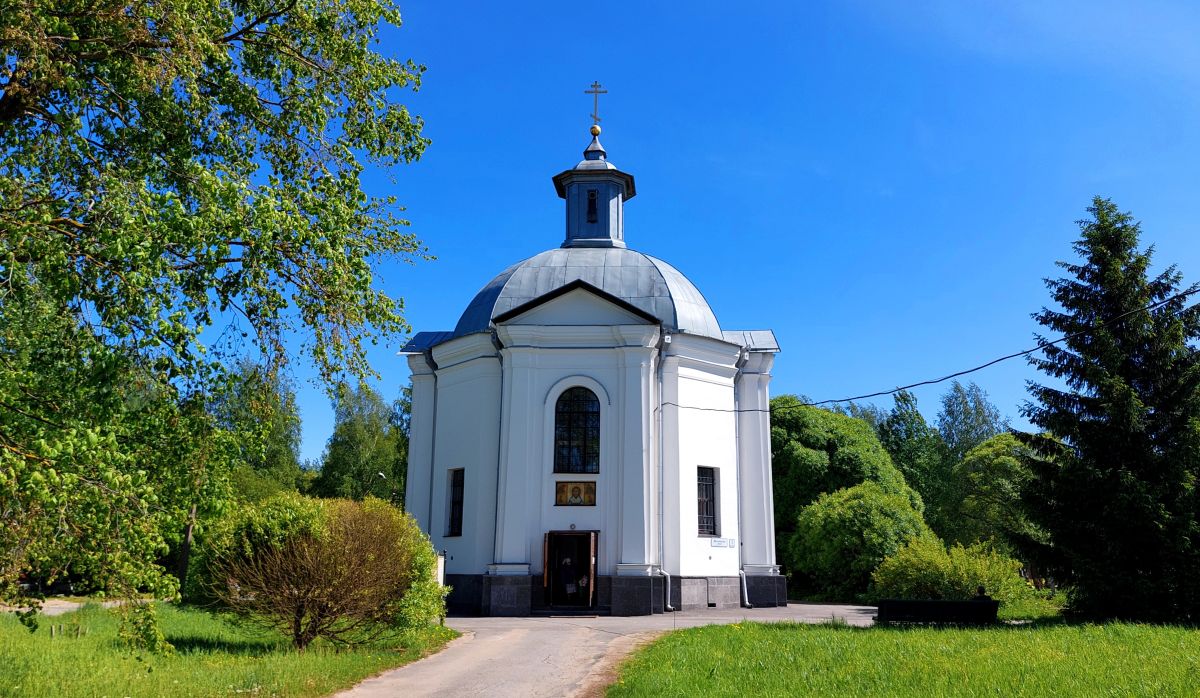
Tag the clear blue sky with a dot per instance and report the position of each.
(883, 184)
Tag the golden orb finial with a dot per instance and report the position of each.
(595, 129)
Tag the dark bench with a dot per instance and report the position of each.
(973, 612)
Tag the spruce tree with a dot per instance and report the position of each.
(1115, 469)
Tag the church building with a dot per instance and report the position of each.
(588, 438)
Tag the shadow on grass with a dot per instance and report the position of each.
(194, 644)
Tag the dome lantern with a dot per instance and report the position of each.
(596, 192)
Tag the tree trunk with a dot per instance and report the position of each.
(185, 550)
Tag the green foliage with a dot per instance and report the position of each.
(349, 572)
(992, 477)
(368, 452)
(816, 451)
(166, 169)
(167, 163)
(784, 659)
(1115, 473)
(423, 600)
(251, 527)
(931, 459)
(214, 657)
(249, 485)
(967, 419)
(102, 457)
(843, 536)
(925, 569)
(140, 629)
(260, 409)
(867, 412)
(917, 450)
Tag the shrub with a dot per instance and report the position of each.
(816, 451)
(251, 527)
(925, 569)
(349, 572)
(843, 536)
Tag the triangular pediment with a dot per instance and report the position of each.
(577, 303)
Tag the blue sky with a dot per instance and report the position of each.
(883, 184)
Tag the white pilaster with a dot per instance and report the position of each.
(637, 498)
(754, 454)
(518, 474)
(418, 496)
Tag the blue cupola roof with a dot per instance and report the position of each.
(596, 192)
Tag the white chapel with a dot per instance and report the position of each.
(588, 437)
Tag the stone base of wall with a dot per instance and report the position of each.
(690, 593)
(499, 595)
(637, 596)
(766, 590)
(466, 594)
(507, 595)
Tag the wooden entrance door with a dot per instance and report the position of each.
(569, 568)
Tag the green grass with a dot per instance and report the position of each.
(1034, 660)
(212, 658)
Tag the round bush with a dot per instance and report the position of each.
(843, 536)
(248, 528)
(349, 572)
(925, 569)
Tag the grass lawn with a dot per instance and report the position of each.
(213, 658)
(1036, 660)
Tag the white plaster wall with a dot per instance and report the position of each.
(704, 432)
(707, 439)
(467, 436)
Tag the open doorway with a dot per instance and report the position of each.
(569, 568)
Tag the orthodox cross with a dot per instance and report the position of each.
(595, 92)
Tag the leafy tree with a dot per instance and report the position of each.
(967, 419)
(166, 163)
(843, 536)
(1114, 476)
(816, 451)
(104, 463)
(916, 448)
(368, 452)
(868, 413)
(165, 168)
(993, 476)
(261, 409)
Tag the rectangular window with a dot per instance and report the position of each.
(706, 501)
(454, 525)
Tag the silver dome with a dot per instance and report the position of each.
(639, 279)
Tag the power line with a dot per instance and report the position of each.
(943, 379)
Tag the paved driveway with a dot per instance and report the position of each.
(564, 656)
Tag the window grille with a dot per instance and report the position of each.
(706, 503)
(577, 432)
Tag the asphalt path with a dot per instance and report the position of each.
(561, 656)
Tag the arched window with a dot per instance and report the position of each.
(577, 432)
